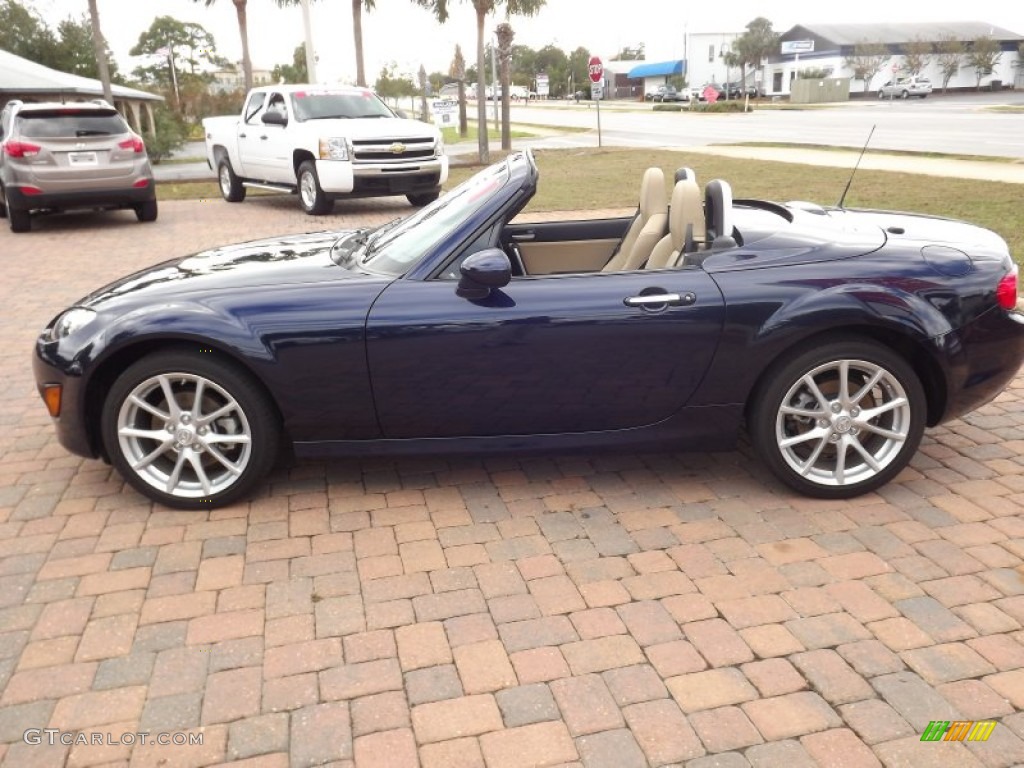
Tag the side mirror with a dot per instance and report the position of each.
(401, 113)
(482, 272)
(274, 118)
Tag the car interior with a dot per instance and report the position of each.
(679, 233)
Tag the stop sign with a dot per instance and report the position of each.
(595, 69)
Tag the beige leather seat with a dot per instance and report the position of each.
(686, 228)
(648, 227)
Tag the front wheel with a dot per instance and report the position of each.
(189, 430)
(314, 200)
(905, 95)
(839, 420)
(423, 198)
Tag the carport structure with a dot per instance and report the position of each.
(29, 81)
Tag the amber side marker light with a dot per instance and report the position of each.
(51, 396)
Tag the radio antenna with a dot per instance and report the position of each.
(856, 166)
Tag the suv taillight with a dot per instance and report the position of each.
(1006, 291)
(21, 149)
(134, 143)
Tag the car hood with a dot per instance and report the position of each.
(295, 259)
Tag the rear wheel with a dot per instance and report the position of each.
(19, 219)
(231, 188)
(839, 420)
(146, 211)
(314, 200)
(3, 203)
(189, 430)
(423, 198)
(905, 95)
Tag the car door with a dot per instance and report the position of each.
(549, 354)
(262, 141)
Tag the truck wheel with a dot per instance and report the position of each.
(231, 188)
(423, 198)
(3, 203)
(314, 201)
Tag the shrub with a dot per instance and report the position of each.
(674, 107)
(733, 105)
(170, 134)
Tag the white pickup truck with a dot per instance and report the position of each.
(324, 142)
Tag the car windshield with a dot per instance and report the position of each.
(69, 123)
(325, 105)
(394, 248)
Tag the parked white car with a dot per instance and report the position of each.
(905, 87)
(324, 142)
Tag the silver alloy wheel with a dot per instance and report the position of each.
(225, 180)
(184, 435)
(843, 422)
(307, 190)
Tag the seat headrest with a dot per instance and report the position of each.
(684, 213)
(684, 173)
(718, 208)
(652, 192)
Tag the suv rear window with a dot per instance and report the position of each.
(49, 124)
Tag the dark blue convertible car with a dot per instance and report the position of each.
(835, 336)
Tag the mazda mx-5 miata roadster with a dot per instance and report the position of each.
(834, 335)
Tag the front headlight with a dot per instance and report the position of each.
(439, 146)
(70, 321)
(334, 149)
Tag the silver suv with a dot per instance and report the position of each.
(57, 157)
(905, 87)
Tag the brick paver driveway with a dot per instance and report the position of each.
(623, 610)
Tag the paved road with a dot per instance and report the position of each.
(622, 610)
(951, 126)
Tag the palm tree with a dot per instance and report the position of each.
(482, 8)
(357, 36)
(100, 46)
(243, 31)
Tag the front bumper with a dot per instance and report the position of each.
(72, 424)
(121, 197)
(368, 179)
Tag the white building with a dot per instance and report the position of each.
(832, 44)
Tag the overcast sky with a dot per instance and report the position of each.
(399, 31)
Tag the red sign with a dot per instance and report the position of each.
(596, 69)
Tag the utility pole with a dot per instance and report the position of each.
(494, 85)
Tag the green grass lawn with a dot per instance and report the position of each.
(586, 179)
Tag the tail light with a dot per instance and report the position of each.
(21, 149)
(134, 143)
(1006, 291)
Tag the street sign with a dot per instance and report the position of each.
(543, 85)
(444, 111)
(595, 69)
(597, 91)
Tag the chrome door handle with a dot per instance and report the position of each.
(241, 135)
(524, 237)
(657, 299)
(264, 138)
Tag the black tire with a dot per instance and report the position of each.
(146, 211)
(231, 188)
(3, 203)
(905, 95)
(246, 434)
(19, 219)
(812, 466)
(313, 199)
(881, 94)
(423, 198)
